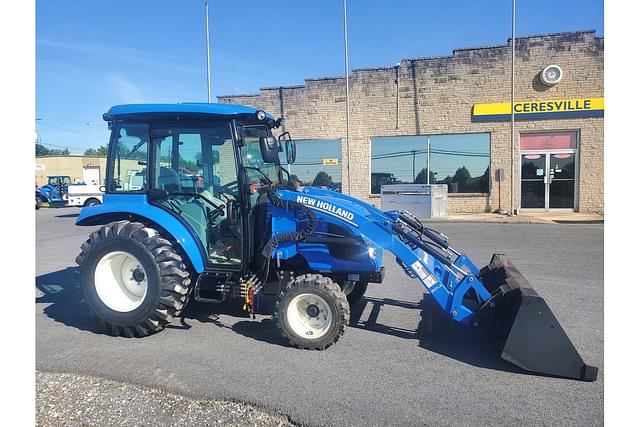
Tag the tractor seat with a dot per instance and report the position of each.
(195, 213)
(169, 180)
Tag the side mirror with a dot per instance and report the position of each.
(269, 149)
(290, 148)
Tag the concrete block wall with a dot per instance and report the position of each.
(436, 96)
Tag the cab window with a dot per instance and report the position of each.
(128, 167)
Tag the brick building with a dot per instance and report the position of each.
(447, 120)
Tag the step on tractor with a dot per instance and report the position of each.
(197, 206)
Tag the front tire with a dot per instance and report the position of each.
(38, 203)
(312, 312)
(132, 279)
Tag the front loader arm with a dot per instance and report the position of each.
(446, 274)
(496, 296)
(423, 253)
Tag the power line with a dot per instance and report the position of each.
(73, 131)
(64, 146)
(317, 161)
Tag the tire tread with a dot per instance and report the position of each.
(175, 283)
(335, 293)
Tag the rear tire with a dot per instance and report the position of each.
(132, 279)
(38, 203)
(312, 312)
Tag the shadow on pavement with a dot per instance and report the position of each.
(65, 302)
(583, 222)
(264, 330)
(71, 215)
(436, 332)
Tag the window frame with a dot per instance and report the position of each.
(319, 141)
(490, 134)
(113, 151)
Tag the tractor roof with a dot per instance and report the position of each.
(120, 111)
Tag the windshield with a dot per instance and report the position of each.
(252, 157)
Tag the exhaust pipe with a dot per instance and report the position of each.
(530, 335)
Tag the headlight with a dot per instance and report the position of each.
(261, 115)
(373, 254)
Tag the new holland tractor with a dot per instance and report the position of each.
(235, 227)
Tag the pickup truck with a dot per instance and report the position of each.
(83, 195)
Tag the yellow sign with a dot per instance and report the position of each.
(524, 110)
(330, 162)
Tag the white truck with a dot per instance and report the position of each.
(82, 195)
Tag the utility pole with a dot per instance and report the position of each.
(206, 19)
(513, 100)
(38, 140)
(413, 152)
(428, 161)
(346, 78)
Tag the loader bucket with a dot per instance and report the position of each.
(529, 334)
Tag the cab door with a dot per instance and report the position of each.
(195, 166)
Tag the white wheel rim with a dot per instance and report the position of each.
(309, 316)
(121, 281)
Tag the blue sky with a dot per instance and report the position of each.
(91, 54)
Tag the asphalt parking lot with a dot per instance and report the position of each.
(400, 362)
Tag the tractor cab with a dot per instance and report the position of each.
(205, 170)
(60, 183)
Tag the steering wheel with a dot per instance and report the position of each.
(263, 177)
(227, 190)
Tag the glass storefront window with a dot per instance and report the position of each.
(548, 141)
(318, 163)
(459, 160)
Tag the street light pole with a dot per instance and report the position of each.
(346, 78)
(206, 16)
(513, 91)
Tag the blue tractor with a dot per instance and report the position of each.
(234, 227)
(54, 192)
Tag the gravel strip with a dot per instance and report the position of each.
(74, 400)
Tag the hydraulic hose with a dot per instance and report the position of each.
(291, 236)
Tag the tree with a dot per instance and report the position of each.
(421, 178)
(462, 177)
(322, 179)
(100, 151)
(41, 150)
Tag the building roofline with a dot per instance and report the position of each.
(425, 58)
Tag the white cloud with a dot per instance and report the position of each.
(124, 90)
(122, 54)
